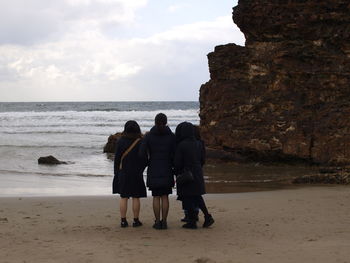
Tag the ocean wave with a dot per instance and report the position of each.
(97, 106)
(15, 172)
(56, 132)
(52, 146)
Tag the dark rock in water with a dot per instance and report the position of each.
(285, 95)
(111, 143)
(49, 160)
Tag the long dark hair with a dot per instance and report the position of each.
(132, 129)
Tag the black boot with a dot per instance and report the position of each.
(191, 223)
(208, 221)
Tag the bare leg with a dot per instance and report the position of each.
(136, 207)
(123, 207)
(156, 207)
(165, 207)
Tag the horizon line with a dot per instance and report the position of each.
(99, 101)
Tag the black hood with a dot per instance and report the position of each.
(160, 130)
(187, 131)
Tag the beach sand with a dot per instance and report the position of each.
(297, 225)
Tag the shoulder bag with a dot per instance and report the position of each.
(184, 178)
(127, 151)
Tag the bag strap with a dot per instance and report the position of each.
(127, 151)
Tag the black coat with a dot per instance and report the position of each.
(128, 181)
(190, 154)
(159, 147)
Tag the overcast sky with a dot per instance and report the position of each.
(110, 50)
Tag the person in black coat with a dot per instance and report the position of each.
(159, 147)
(128, 172)
(190, 155)
(178, 140)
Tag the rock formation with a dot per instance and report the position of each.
(111, 143)
(50, 160)
(286, 94)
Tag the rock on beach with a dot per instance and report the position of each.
(50, 160)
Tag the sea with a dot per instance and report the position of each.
(74, 132)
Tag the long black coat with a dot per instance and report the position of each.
(159, 147)
(128, 181)
(190, 154)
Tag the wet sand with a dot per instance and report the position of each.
(295, 225)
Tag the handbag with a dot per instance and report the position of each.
(184, 178)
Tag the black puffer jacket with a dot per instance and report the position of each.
(190, 155)
(159, 146)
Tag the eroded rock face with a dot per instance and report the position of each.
(286, 94)
(111, 143)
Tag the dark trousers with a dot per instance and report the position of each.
(191, 205)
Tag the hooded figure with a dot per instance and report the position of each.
(190, 156)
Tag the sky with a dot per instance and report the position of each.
(110, 50)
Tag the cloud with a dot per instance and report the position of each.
(221, 29)
(73, 59)
(26, 22)
(176, 7)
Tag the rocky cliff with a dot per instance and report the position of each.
(286, 94)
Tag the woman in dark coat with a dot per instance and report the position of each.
(128, 172)
(190, 155)
(159, 146)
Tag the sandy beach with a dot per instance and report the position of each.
(296, 225)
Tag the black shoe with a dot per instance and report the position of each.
(196, 216)
(185, 219)
(208, 221)
(124, 223)
(190, 225)
(157, 225)
(164, 224)
(136, 223)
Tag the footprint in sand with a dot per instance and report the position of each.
(204, 260)
(102, 228)
(3, 220)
